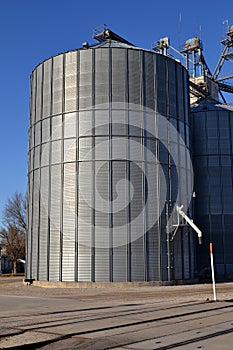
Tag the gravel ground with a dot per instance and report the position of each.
(129, 317)
(202, 292)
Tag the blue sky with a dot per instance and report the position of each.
(32, 31)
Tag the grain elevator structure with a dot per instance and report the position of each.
(120, 166)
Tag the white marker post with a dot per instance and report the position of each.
(212, 270)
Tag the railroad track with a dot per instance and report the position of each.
(122, 326)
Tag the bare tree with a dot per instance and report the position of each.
(12, 235)
(13, 241)
(14, 213)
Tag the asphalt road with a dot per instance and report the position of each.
(176, 317)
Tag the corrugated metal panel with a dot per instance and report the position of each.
(85, 123)
(174, 183)
(228, 248)
(30, 228)
(55, 215)
(161, 83)
(137, 257)
(152, 221)
(35, 224)
(45, 154)
(120, 209)
(101, 196)
(120, 262)
(68, 231)
(57, 84)
(119, 148)
(102, 82)
(85, 82)
(102, 224)
(56, 128)
(101, 149)
(149, 86)
(186, 253)
(33, 99)
(181, 85)
(38, 93)
(85, 221)
(178, 251)
(192, 245)
(37, 157)
(47, 88)
(44, 218)
(153, 253)
(152, 193)
(85, 149)
(119, 67)
(70, 150)
(46, 130)
(135, 123)
(71, 81)
(134, 76)
(163, 245)
(172, 105)
(135, 149)
(137, 226)
(37, 134)
(56, 152)
(119, 122)
(102, 122)
(84, 259)
(32, 134)
(102, 258)
(185, 80)
(31, 159)
(70, 125)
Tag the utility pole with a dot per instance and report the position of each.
(212, 271)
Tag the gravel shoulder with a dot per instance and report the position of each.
(145, 317)
(201, 292)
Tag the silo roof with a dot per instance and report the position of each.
(113, 43)
(210, 105)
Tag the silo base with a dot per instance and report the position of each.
(51, 284)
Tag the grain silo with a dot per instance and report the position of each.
(106, 161)
(212, 160)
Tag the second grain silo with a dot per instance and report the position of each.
(212, 160)
(108, 162)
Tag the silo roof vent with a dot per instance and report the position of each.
(103, 34)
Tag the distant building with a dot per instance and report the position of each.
(6, 265)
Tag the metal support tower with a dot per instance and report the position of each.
(193, 48)
(162, 46)
(228, 43)
(202, 83)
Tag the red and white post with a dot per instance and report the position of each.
(212, 270)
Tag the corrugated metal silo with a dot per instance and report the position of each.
(102, 165)
(212, 159)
